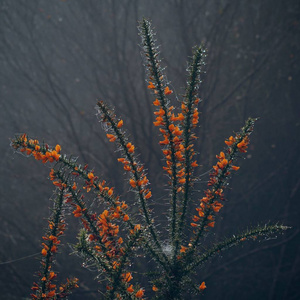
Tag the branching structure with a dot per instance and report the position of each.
(109, 239)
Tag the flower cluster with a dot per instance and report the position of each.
(211, 204)
(33, 147)
(47, 289)
(138, 177)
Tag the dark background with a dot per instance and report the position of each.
(59, 57)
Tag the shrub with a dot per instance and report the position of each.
(110, 240)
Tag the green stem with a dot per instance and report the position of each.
(234, 240)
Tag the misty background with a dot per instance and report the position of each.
(58, 58)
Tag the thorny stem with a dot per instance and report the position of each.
(142, 199)
(117, 275)
(87, 216)
(56, 219)
(190, 98)
(154, 70)
(246, 130)
(234, 240)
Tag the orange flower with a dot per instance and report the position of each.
(223, 163)
(130, 289)
(154, 288)
(126, 218)
(140, 293)
(161, 112)
(177, 131)
(202, 286)
(55, 155)
(136, 228)
(159, 121)
(127, 168)
(168, 91)
(221, 156)
(165, 141)
(151, 86)
(242, 146)
(180, 117)
(230, 141)
(148, 195)
(57, 148)
(235, 168)
(130, 147)
(182, 180)
(120, 124)
(132, 182)
(51, 275)
(127, 277)
(51, 293)
(211, 224)
(194, 164)
(111, 137)
(44, 252)
(196, 218)
(91, 175)
(156, 102)
(110, 192)
(77, 212)
(74, 186)
(217, 206)
(183, 249)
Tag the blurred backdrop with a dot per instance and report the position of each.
(59, 57)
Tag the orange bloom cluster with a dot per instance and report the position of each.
(57, 181)
(126, 278)
(50, 290)
(174, 150)
(54, 293)
(151, 86)
(209, 204)
(90, 182)
(108, 231)
(32, 147)
(242, 145)
(64, 289)
(137, 171)
(194, 114)
(138, 179)
(46, 289)
(78, 211)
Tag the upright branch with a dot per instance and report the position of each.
(171, 133)
(191, 118)
(46, 288)
(138, 178)
(210, 204)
